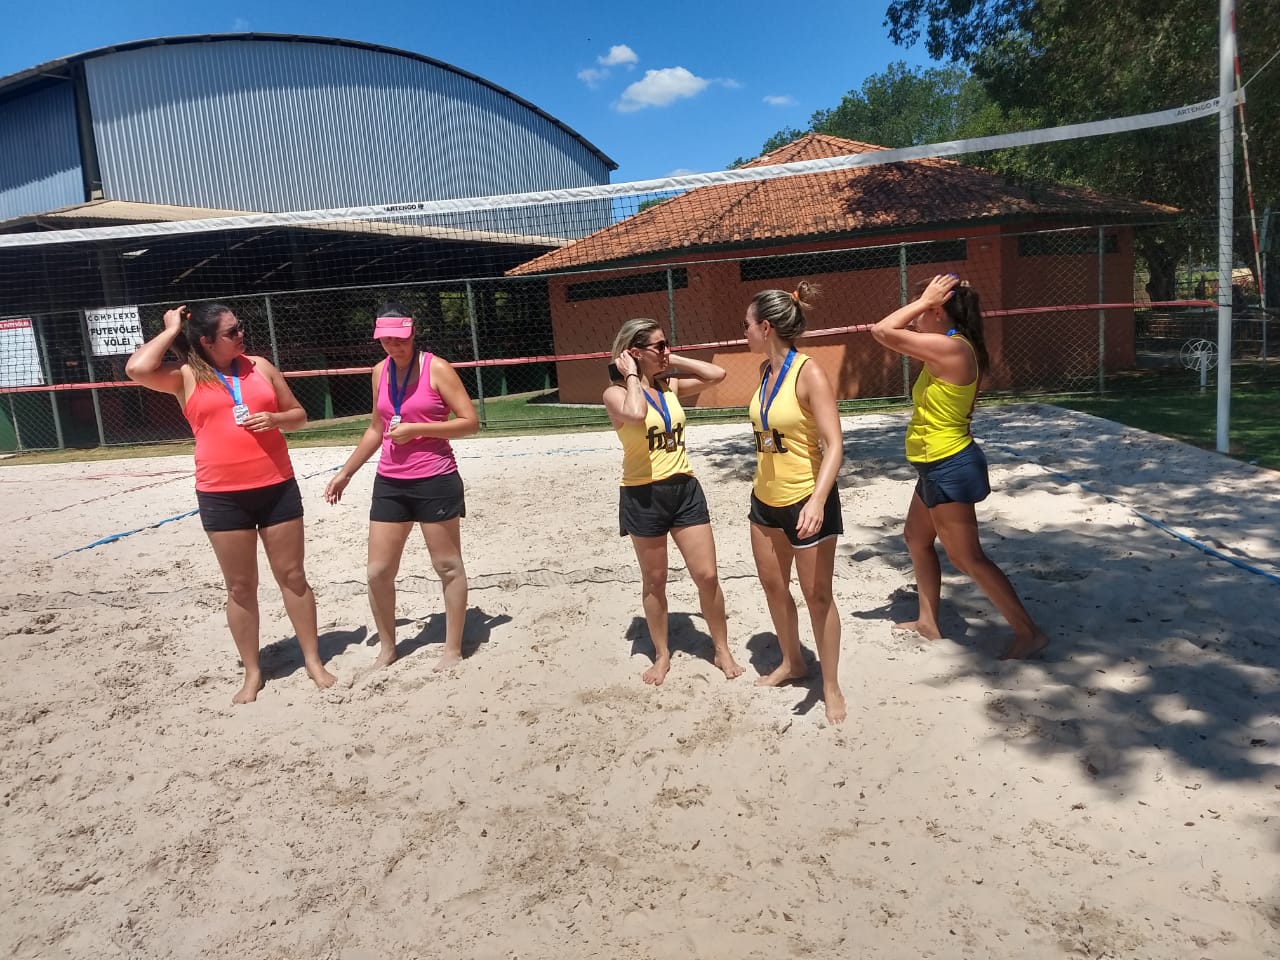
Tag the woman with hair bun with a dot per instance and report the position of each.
(795, 506)
(659, 493)
(943, 330)
(237, 405)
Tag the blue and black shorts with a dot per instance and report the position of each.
(959, 478)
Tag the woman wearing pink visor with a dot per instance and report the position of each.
(419, 405)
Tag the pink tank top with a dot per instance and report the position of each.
(229, 457)
(423, 456)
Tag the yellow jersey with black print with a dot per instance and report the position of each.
(654, 450)
(788, 451)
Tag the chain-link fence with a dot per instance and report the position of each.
(1064, 310)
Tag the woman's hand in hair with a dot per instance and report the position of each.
(173, 318)
(939, 290)
(625, 363)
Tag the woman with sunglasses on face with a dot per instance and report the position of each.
(419, 405)
(237, 405)
(795, 506)
(943, 330)
(659, 493)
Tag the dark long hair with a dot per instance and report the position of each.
(203, 321)
(965, 315)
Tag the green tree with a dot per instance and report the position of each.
(902, 107)
(1055, 62)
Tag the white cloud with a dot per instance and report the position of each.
(681, 172)
(775, 101)
(660, 88)
(592, 77)
(729, 83)
(618, 55)
(240, 25)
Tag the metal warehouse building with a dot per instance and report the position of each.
(194, 127)
(207, 127)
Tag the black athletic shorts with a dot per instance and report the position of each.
(427, 500)
(959, 478)
(250, 509)
(786, 518)
(655, 509)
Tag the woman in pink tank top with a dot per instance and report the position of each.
(237, 405)
(419, 405)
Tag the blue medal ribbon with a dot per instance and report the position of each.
(396, 389)
(782, 375)
(663, 411)
(233, 387)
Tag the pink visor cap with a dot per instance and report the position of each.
(398, 327)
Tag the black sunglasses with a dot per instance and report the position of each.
(661, 346)
(234, 331)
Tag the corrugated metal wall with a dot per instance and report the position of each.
(273, 125)
(39, 152)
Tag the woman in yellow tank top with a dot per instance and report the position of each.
(943, 330)
(795, 506)
(659, 493)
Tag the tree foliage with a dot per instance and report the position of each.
(902, 107)
(1063, 61)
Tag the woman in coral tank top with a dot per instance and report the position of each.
(237, 405)
(419, 405)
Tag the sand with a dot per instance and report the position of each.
(1120, 799)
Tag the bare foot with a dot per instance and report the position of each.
(837, 710)
(386, 655)
(784, 674)
(249, 692)
(658, 672)
(448, 660)
(729, 666)
(322, 677)
(1028, 648)
(929, 631)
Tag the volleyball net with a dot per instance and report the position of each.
(524, 293)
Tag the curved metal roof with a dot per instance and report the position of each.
(59, 69)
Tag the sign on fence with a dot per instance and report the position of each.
(19, 358)
(114, 330)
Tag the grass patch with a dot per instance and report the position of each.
(1169, 402)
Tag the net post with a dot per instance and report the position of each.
(93, 377)
(1226, 199)
(902, 302)
(671, 307)
(1102, 314)
(48, 376)
(271, 332)
(475, 351)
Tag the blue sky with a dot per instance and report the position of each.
(661, 87)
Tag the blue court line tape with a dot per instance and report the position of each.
(128, 533)
(1158, 524)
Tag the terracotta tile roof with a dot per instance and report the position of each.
(917, 194)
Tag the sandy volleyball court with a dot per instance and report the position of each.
(1121, 799)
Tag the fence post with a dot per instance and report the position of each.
(671, 307)
(902, 302)
(93, 377)
(271, 332)
(1102, 314)
(475, 352)
(48, 376)
(13, 418)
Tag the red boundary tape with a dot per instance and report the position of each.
(602, 354)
